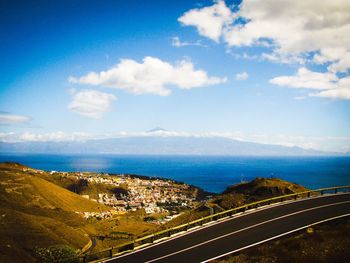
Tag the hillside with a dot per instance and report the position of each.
(239, 194)
(35, 213)
(258, 189)
(38, 211)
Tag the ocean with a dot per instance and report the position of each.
(211, 173)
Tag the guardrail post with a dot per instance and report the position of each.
(308, 194)
(336, 190)
(111, 252)
(321, 192)
(295, 197)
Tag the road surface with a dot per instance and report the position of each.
(239, 232)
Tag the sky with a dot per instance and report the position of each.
(267, 71)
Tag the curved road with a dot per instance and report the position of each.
(239, 232)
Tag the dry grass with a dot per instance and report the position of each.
(258, 189)
(37, 213)
(122, 229)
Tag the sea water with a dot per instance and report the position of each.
(211, 173)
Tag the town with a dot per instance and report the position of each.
(132, 193)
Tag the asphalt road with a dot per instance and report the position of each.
(241, 231)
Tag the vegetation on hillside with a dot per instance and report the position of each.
(258, 189)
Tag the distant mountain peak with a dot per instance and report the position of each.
(157, 129)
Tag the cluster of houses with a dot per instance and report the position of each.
(152, 195)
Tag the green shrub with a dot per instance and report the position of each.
(56, 254)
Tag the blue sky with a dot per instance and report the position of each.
(266, 72)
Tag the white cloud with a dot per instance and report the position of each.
(151, 76)
(329, 84)
(339, 58)
(8, 118)
(307, 79)
(323, 143)
(290, 28)
(91, 103)
(209, 21)
(342, 90)
(243, 55)
(176, 42)
(284, 58)
(340, 93)
(242, 76)
(293, 26)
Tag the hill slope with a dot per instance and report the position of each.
(37, 213)
(239, 194)
(258, 189)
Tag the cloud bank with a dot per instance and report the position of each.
(57, 136)
(324, 143)
(294, 31)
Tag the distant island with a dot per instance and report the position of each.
(160, 142)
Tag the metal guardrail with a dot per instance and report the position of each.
(149, 239)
